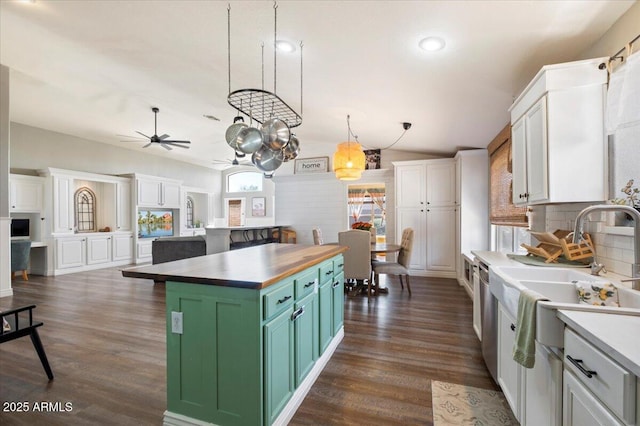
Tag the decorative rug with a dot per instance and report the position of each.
(465, 405)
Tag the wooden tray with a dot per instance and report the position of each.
(550, 247)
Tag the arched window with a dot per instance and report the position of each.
(244, 182)
(189, 212)
(85, 210)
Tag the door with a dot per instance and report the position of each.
(337, 291)
(509, 372)
(306, 342)
(122, 247)
(279, 364)
(441, 239)
(170, 195)
(98, 250)
(62, 205)
(536, 135)
(543, 390)
(580, 408)
(410, 185)
(234, 211)
(149, 193)
(25, 196)
(70, 252)
(325, 299)
(519, 161)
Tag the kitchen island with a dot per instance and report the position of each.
(248, 331)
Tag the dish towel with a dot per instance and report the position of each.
(524, 347)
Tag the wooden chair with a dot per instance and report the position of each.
(15, 326)
(20, 254)
(318, 239)
(401, 266)
(289, 235)
(357, 260)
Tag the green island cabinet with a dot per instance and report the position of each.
(246, 351)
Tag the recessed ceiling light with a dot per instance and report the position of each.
(285, 46)
(431, 44)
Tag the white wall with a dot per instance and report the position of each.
(320, 200)
(33, 148)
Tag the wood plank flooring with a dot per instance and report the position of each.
(105, 339)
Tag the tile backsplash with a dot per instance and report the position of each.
(612, 248)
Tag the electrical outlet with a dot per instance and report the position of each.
(176, 322)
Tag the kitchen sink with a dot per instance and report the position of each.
(559, 285)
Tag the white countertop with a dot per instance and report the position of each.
(495, 258)
(615, 335)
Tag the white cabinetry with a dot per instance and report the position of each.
(92, 251)
(62, 205)
(542, 399)
(597, 389)
(426, 202)
(122, 247)
(70, 252)
(558, 137)
(26, 194)
(143, 250)
(98, 249)
(123, 206)
(158, 193)
(510, 376)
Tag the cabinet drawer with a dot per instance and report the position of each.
(609, 382)
(326, 271)
(278, 300)
(306, 283)
(338, 265)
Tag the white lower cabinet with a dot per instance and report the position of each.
(534, 394)
(98, 249)
(510, 376)
(143, 251)
(581, 408)
(91, 251)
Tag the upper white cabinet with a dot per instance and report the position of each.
(154, 192)
(558, 137)
(26, 194)
(123, 206)
(426, 202)
(62, 204)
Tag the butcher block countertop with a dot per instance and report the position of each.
(254, 267)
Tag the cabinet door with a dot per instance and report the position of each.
(519, 161)
(170, 195)
(580, 408)
(509, 372)
(306, 342)
(278, 364)
(325, 299)
(143, 252)
(543, 390)
(70, 252)
(123, 207)
(149, 193)
(25, 196)
(410, 185)
(98, 250)
(414, 218)
(62, 205)
(441, 184)
(337, 291)
(122, 247)
(536, 135)
(441, 239)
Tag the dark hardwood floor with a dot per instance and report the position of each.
(105, 339)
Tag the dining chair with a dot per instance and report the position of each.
(20, 254)
(401, 266)
(317, 236)
(357, 259)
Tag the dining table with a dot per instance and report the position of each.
(386, 249)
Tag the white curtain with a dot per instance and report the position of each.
(623, 124)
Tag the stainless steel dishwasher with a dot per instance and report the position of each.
(489, 322)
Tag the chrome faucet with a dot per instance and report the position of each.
(595, 267)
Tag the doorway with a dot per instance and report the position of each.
(234, 211)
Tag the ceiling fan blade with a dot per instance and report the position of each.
(147, 145)
(131, 137)
(140, 133)
(173, 144)
(172, 141)
(165, 146)
(163, 136)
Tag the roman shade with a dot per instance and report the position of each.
(503, 212)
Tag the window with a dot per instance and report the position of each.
(189, 212)
(367, 203)
(244, 182)
(85, 210)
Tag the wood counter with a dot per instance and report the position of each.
(254, 267)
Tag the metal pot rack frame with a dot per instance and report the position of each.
(262, 105)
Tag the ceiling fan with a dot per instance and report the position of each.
(162, 140)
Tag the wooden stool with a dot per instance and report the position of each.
(288, 234)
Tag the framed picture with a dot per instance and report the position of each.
(258, 206)
(311, 165)
(372, 159)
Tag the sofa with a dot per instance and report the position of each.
(168, 249)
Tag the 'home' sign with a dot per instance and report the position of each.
(312, 165)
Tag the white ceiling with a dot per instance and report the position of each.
(94, 69)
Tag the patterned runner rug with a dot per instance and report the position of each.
(465, 405)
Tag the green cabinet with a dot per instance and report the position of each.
(242, 354)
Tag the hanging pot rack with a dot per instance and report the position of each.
(261, 105)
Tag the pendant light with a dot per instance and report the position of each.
(348, 160)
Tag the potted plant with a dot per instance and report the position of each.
(632, 197)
